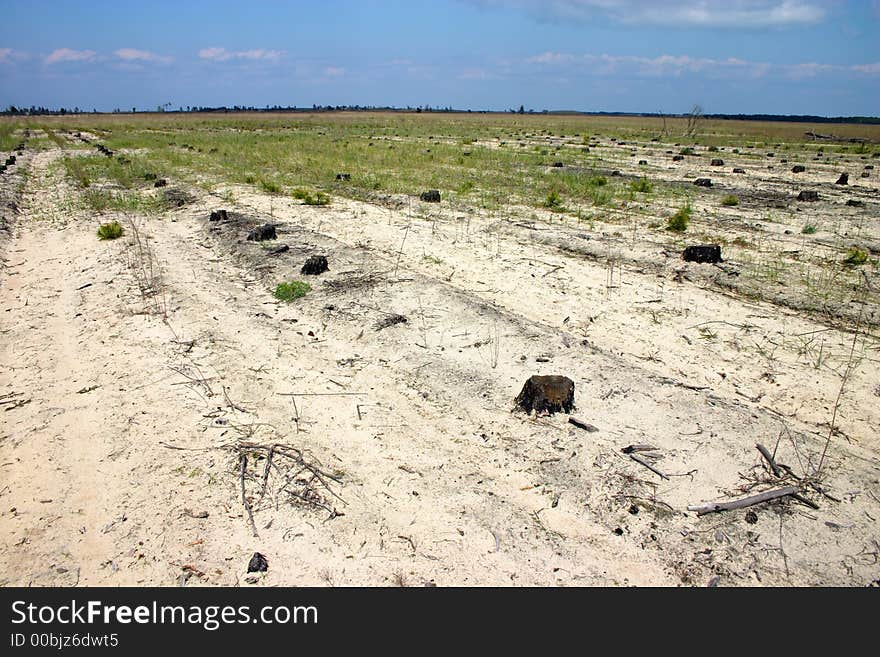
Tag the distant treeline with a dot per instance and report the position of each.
(794, 118)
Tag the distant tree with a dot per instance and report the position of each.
(694, 121)
(522, 109)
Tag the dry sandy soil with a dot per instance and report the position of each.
(125, 418)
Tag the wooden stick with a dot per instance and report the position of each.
(580, 424)
(247, 504)
(638, 459)
(713, 507)
(770, 460)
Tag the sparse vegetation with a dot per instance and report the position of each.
(730, 201)
(110, 231)
(808, 229)
(642, 185)
(679, 221)
(855, 257)
(290, 291)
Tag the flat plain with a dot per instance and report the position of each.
(168, 409)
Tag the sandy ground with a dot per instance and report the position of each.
(123, 465)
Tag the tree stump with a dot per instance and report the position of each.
(430, 196)
(262, 233)
(677, 158)
(843, 180)
(315, 265)
(808, 195)
(739, 170)
(643, 163)
(717, 162)
(160, 183)
(547, 394)
(703, 182)
(258, 564)
(219, 215)
(798, 168)
(710, 253)
(854, 203)
(343, 176)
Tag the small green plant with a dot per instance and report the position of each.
(290, 291)
(855, 257)
(553, 201)
(320, 198)
(110, 231)
(808, 229)
(679, 221)
(687, 150)
(250, 179)
(642, 185)
(730, 201)
(712, 149)
(270, 187)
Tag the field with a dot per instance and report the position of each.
(176, 396)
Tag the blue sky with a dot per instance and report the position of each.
(729, 56)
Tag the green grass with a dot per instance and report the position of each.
(553, 201)
(270, 186)
(730, 201)
(855, 257)
(679, 221)
(642, 185)
(110, 231)
(808, 229)
(290, 291)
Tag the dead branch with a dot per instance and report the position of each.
(244, 500)
(714, 507)
(638, 459)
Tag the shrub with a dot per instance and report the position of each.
(808, 229)
(110, 231)
(730, 200)
(553, 201)
(679, 221)
(642, 185)
(855, 257)
(686, 151)
(290, 291)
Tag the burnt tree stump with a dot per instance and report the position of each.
(258, 564)
(343, 176)
(315, 265)
(160, 183)
(431, 196)
(798, 168)
(808, 195)
(710, 253)
(703, 182)
(547, 394)
(717, 162)
(739, 170)
(854, 203)
(219, 215)
(677, 158)
(843, 180)
(262, 233)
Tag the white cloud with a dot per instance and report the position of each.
(134, 55)
(869, 69)
(223, 55)
(67, 55)
(677, 13)
(9, 55)
(649, 66)
(334, 72)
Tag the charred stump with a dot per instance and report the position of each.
(431, 196)
(703, 182)
(262, 233)
(710, 253)
(547, 394)
(219, 215)
(808, 195)
(315, 265)
(717, 162)
(843, 180)
(798, 168)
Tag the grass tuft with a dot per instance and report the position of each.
(730, 201)
(680, 220)
(110, 231)
(290, 291)
(855, 257)
(808, 229)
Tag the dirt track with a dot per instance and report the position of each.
(440, 481)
